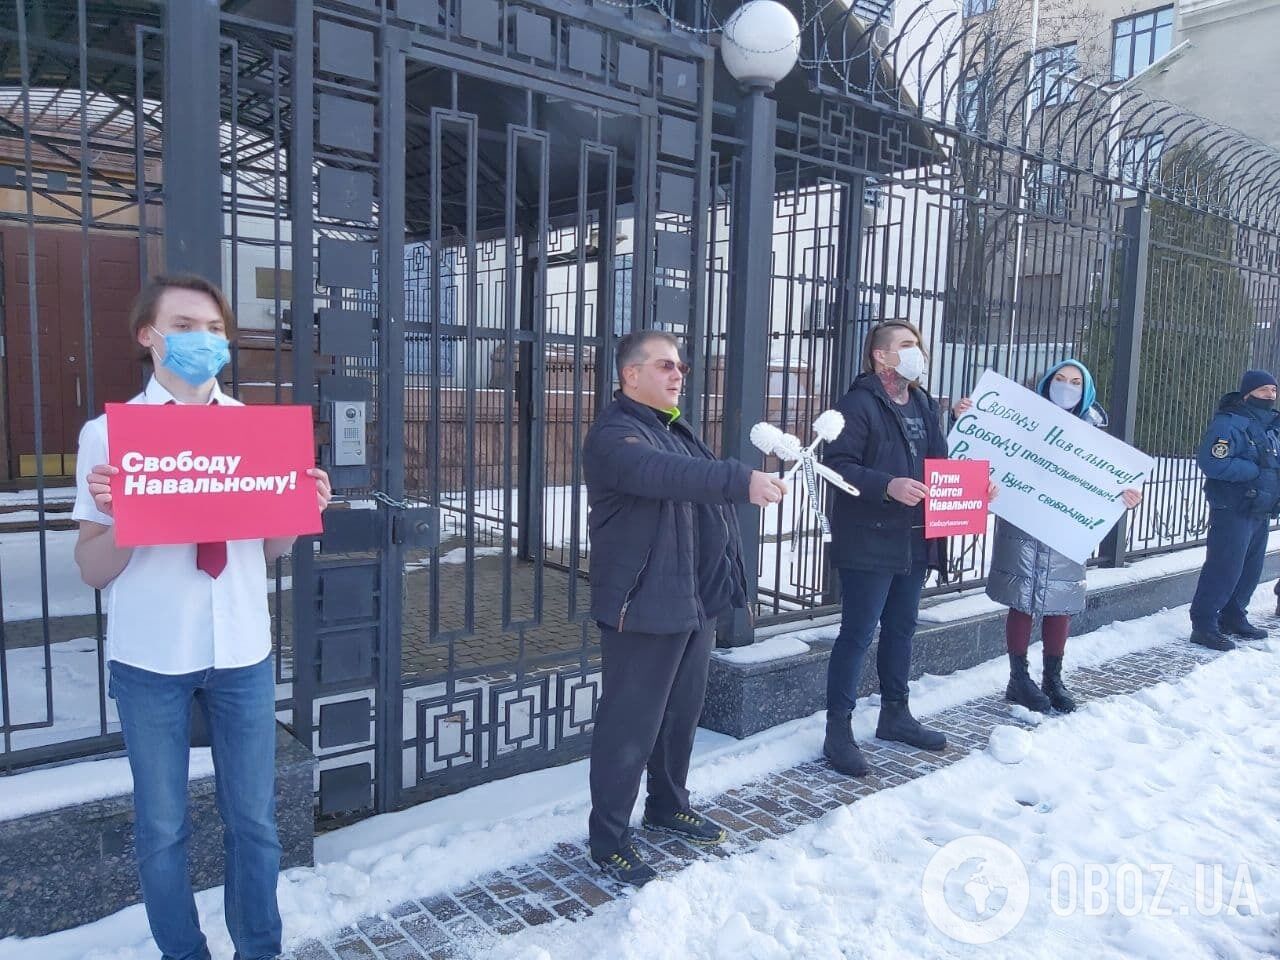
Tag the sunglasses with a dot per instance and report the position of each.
(667, 366)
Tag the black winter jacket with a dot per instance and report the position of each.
(658, 515)
(873, 531)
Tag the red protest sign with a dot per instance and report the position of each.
(957, 500)
(193, 474)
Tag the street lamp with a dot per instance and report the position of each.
(760, 44)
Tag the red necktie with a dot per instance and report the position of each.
(210, 557)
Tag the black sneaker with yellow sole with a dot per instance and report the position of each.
(686, 825)
(626, 866)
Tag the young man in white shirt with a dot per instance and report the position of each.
(184, 623)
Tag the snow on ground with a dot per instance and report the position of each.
(774, 648)
(1139, 827)
(68, 595)
(20, 516)
(65, 494)
(367, 868)
(21, 582)
(73, 680)
(26, 793)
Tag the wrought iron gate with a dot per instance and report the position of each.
(498, 194)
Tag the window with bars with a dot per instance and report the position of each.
(623, 268)
(976, 8)
(975, 104)
(1048, 189)
(1138, 163)
(1054, 72)
(873, 193)
(1140, 158)
(1140, 40)
(872, 11)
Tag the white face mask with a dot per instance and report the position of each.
(910, 363)
(1065, 395)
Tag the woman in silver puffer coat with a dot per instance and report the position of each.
(1032, 579)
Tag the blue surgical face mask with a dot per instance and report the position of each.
(197, 357)
(1065, 395)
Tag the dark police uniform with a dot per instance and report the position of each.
(1241, 463)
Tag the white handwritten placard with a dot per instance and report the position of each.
(1060, 478)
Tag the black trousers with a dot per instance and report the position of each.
(653, 689)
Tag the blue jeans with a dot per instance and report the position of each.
(155, 716)
(890, 600)
(1234, 555)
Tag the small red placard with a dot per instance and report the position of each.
(957, 501)
(198, 473)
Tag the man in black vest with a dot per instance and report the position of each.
(665, 564)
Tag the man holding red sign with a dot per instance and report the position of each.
(892, 429)
(187, 611)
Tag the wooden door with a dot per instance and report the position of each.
(51, 376)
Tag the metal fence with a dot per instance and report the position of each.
(1010, 232)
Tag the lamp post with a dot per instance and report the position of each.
(760, 44)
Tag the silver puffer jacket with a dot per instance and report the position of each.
(1029, 576)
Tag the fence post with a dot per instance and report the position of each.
(848, 337)
(748, 324)
(192, 164)
(1136, 232)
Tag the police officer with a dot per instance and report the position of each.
(1240, 460)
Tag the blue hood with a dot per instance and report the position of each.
(1090, 395)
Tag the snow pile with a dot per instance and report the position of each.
(26, 793)
(1009, 744)
(775, 648)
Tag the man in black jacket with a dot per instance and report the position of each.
(878, 544)
(665, 564)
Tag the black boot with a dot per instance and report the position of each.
(897, 723)
(1245, 629)
(1022, 690)
(1057, 692)
(1211, 638)
(840, 748)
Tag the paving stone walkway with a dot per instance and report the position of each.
(563, 884)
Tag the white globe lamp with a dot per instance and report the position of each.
(760, 43)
